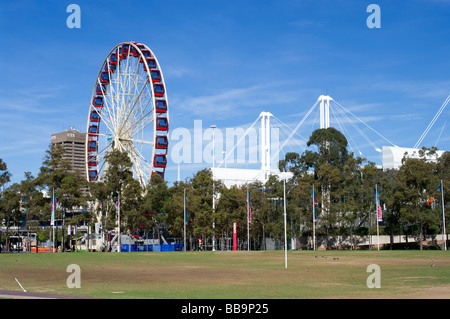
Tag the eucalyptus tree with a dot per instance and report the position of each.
(10, 211)
(329, 164)
(231, 208)
(417, 180)
(203, 190)
(444, 175)
(118, 186)
(5, 175)
(174, 208)
(32, 204)
(57, 176)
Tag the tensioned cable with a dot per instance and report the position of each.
(295, 129)
(360, 131)
(287, 130)
(364, 123)
(240, 140)
(439, 137)
(432, 122)
(345, 132)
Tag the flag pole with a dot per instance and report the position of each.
(53, 220)
(285, 235)
(443, 214)
(119, 248)
(376, 209)
(248, 222)
(185, 221)
(314, 221)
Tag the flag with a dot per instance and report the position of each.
(378, 205)
(314, 205)
(439, 188)
(54, 202)
(185, 209)
(249, 207)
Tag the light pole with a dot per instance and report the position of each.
(213, 195)
(285, 236)
(284, 176)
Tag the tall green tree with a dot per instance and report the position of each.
(118, 183)
(417, 180)
(5, 175)
(10, 210)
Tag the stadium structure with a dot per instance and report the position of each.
(271, 145)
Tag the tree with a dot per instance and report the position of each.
(329, 164)
(5, 175)
(153, 205)
(417, 180)
(118, 182)
(201, 203)
(56, 176)
(10, 210)
(32, 203)
(443, 167)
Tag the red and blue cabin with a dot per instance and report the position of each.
(110, 68)
(125, 50)
(95, 116)
(161, 142)
(93, 174)
(92, 146)
(156, 75)
(93, 130)
(160, 160)
(92, 160)
(101, 89)
(146, 53)
(151, 63)
(161, 123)
(158, 88)
(161, 106)
(113, 58)
(97, 101)
(104, 77)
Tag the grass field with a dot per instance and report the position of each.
(234, 275)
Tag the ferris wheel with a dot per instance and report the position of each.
(128, 112)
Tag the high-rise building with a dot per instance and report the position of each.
(73, 142)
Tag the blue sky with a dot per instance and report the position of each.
(224, 62)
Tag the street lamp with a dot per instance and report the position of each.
(284, 176)
(213, 195)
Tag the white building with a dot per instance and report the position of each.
(393, 155)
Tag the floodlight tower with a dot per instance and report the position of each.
(325, 111)
(324, 124)
(265, 142)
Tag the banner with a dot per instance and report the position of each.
(234, 236)
(314, 205)
(379, 210)
(185, 208)
(249, 205)
(52, 221)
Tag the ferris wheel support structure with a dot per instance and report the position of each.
(129, 99)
